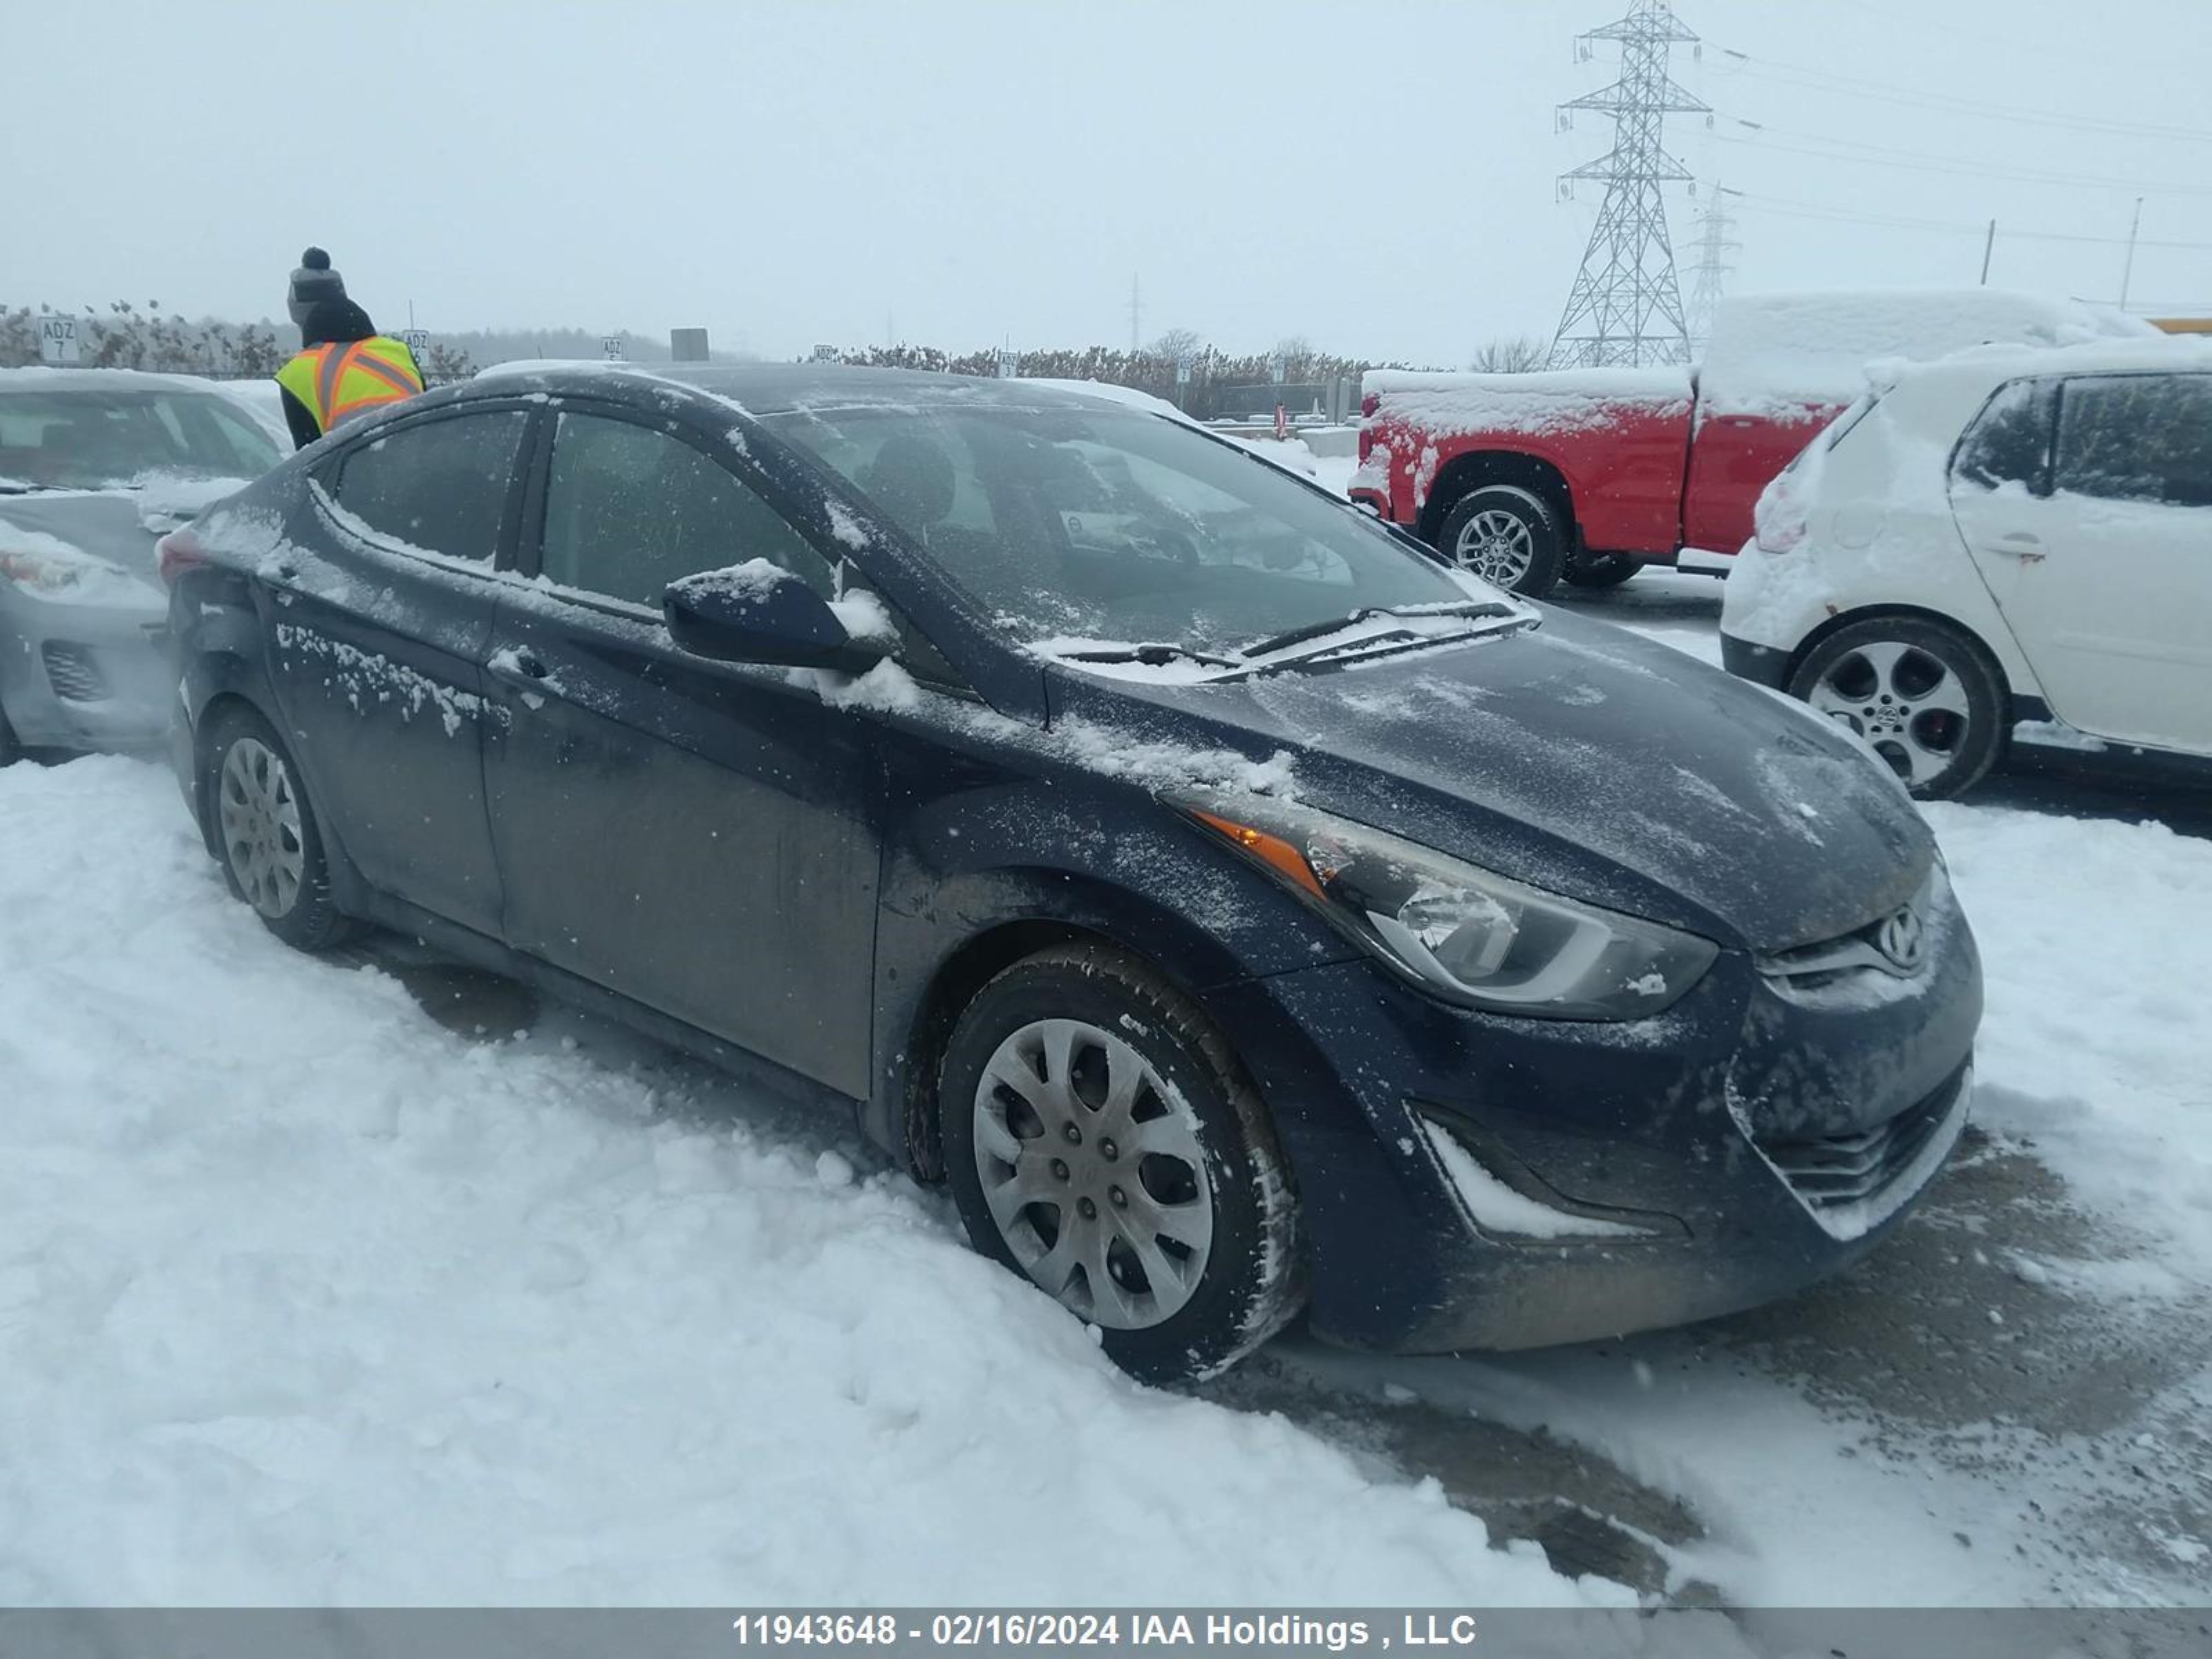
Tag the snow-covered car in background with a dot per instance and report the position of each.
(2009, 550)
(1589, 474)
(94, 465)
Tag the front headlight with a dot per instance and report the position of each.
(1461, 932)
(50, 567)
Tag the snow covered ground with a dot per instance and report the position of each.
(305, 1296)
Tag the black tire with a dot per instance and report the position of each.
(1506, 535)
(1599, 570)
(1927, 697)
(300, 912)
(1250, 1280)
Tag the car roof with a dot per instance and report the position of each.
(1993, 365)
(780, 388)
(38, 377)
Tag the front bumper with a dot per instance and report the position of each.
(85, 676)
(1763, 665)
(1683, 1130)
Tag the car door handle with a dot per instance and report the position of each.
(518, 665)
(2021, 544)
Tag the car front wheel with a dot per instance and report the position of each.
(1101, 1140)
(265, 833)
(1925, 696)
(1510, 537)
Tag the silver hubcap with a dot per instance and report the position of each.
(1092, 1170)
(260, 818)
(1495, 545)
(1904, 701)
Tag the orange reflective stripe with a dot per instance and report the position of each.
(387, 373)
(375, 382)
(331, 365)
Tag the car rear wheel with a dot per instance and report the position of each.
(1102, 1141)
(1595, 570)
(1926, 697)
(1508, 537)
(265, 833)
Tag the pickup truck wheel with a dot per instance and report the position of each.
(1508, 537)
(1596, 570)
(1925, 696)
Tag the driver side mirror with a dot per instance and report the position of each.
(759, 612)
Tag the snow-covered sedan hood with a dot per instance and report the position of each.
(1580, 757)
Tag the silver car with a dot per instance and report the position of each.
(94, 465)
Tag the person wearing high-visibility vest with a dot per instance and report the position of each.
(344, 367)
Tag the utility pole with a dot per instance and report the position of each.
(1135, 310)
(1988, 246)
(1714, 246)
(2128, 271)
(1625, 305)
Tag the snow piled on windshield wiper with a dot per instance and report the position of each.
(1123, 660)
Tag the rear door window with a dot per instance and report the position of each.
(629, 509)
(437, 486)
(2137, 438)
(2009, 441)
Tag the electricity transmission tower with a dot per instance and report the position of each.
(1626, 303)
(1714, 246)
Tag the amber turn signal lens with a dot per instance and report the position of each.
(1271, 850)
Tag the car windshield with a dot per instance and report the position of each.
(91, 438)
(1116, 526)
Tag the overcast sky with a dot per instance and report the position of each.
(1378, 177)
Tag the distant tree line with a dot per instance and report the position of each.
(1153, 369)
(123, 337)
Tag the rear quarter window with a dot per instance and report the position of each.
(2009, 441)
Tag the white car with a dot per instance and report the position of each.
(2007, 549)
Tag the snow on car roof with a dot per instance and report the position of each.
(774, 388)
(1813, 346)
(1994, 364)
(39, 378)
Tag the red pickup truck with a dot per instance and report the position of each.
(1588, 475)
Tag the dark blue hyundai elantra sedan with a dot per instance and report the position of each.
(1239, 909)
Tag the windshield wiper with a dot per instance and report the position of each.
(1151, 654)
(1337, 625)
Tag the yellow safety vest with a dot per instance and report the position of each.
(346, 378)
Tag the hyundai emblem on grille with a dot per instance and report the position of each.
(1902, 937)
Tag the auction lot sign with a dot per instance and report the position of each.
(1299, 1633)
(57, 340)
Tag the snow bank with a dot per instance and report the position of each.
(306, 1300)
(2095, 955)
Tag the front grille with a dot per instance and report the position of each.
(74, 672)
(1832, 1172)
(1898, 945)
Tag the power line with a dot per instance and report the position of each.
(1911, 161)
(1789, 208)
(1887, 92)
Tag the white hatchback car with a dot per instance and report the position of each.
(2007, 549)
